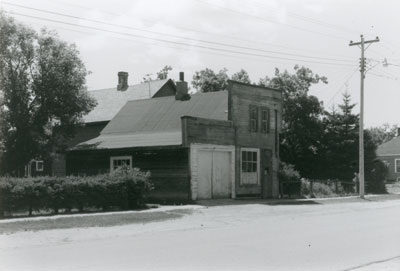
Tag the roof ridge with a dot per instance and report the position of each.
(157, 80)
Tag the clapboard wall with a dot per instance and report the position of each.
(169, 168)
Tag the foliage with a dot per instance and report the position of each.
(209, 81)
(43, 93)
(382, 134)
(289, 179)
(241, 76)
(287, 173)
(302, 129)
(341, 142)
(163, 73)
(125, 188)
(322, 189)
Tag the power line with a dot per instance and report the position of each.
(318, 22)
(270, 20)
(176, 36)
(235, 57)
(341, 88)
(179, 43)
(199, 31)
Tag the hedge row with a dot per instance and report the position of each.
(124, 188)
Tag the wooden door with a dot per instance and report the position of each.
(214, 174)
(204, 177)
(221, 181)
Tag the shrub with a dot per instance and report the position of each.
(375, 176)
(124, 189)
(289, 180)
(323, 188)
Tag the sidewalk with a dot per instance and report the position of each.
(286, 201)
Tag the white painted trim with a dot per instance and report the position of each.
(39, 169)
(258, 165)
(112, 158)
(194, 148)
(395, 165)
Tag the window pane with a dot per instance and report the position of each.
(243, 156)
(254, 157)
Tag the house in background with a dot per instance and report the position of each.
(209, 145)
(389, 152)
(109, 102)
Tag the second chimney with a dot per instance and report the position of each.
(122, 81)
(181, 88)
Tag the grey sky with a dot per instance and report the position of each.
(311, 33)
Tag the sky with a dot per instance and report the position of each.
(142, 36)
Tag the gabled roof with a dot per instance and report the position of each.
(157, 121)
(389, 148)
(110, 101)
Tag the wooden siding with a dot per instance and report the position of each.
(82, 133)
(207, 131)
(166, 90)
(241, 98)
(169, 168)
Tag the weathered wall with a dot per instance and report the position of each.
(82, 134)
(207, 131)
(169, 168)
(392, 175)
(241, 97)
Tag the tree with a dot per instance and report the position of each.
(302, 131)
(341, 142)
(163, 73)
(241, 76)
(383, 133)
(209, 81)
(44, 95)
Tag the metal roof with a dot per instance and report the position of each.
(171, 138)
(157, 121)
(110, 100)
(389, 148)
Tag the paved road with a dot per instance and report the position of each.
(360, 236)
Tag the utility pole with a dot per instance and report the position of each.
(361, 44)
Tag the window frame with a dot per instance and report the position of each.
(37, 167)
(253, 150)
(397, 166)
(253, 128)
(114, 158)
(265, 123)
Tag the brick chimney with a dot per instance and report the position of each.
(181, 88)
(122, 81)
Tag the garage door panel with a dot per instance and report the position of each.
(221, 184)
(204, 161)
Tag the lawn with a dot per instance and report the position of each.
(85, 221)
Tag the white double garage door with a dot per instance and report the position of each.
(212, 171)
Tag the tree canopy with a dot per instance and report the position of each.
(209, 81)
(384, 133)
(44, 94)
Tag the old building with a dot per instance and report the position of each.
(389, 153)
(208, 145)
(109, 102)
